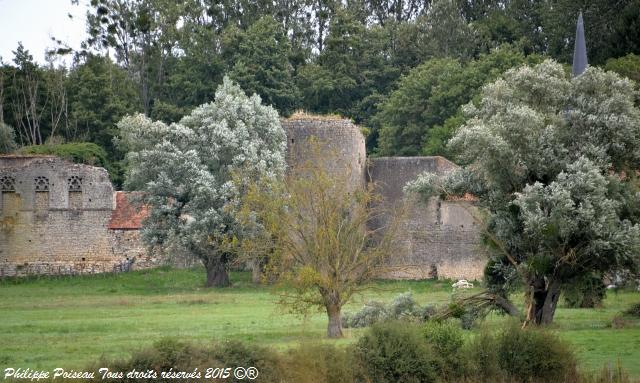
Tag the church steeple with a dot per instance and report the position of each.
(580, 50)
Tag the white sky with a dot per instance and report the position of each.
(34, 22)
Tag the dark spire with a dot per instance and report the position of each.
(580, 50)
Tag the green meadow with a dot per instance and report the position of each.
(70, 322)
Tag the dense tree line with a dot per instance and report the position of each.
(401, 68)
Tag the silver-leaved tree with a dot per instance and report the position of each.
(554, 161)
(193, 172)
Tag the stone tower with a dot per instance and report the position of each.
(332, 142)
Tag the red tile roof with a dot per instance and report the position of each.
(127, 215)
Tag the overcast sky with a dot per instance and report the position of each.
(34, 22)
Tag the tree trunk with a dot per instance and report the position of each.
(257, 269)
(334, 329)
(542, 301)
(217, 275)
(507, 306)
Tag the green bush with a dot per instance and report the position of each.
(533, 354)
(171, 355)
(320, 363)
(634, 310)
(483, 356)
(402, 307)
(396, 352)
(79, 152)
(7, 139)
(586, 292)
(446, 339)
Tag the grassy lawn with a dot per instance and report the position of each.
(69, 321)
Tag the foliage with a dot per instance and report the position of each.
(326, 56)
(544, 151)
(587, 291)
(7, 139)
(321, 363)
(402, 307)
(79, 152)
(183, 309)
(187, 171)
(533, 354)
(314, 231)
(169, 354)
(396, 352)
(99, 94)
(634, 310)
(423, 112)
(260, 59)
(483, 356)
(514, 354)
(372, 312)
(447, 340)
(627, 66)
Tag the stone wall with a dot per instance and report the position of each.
(336, 144)
(62, 218)
(54, 218)
(435, 238)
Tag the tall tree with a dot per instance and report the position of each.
(258, 61)
(187, 171)
(100, 93)
(315, 228)
(553, 160)
(413, 117)
(28, 97)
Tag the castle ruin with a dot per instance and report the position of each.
(63, 218)
(436, 238)
(57, 217)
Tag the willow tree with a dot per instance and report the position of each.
(553, 160)
(194, 172)
(317, 230)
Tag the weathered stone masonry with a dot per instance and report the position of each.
(437, 238)
(57, 217)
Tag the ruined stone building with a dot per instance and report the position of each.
(57, 217)
(437, 238)
(63, 218)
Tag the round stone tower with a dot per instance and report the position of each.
(332, 142)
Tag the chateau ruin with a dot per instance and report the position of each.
(57, 217)
(63, 218)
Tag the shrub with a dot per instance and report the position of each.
(534, 354)
(634, 310)
(78, 152)
(7, 139)
(234, 354)
(586, 292)
(402, 307)
(446, 339)
(483, 358)
(169, 354)
(396, 352)
(372, 312)
(320, 363)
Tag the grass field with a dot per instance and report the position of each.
(69, 322)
